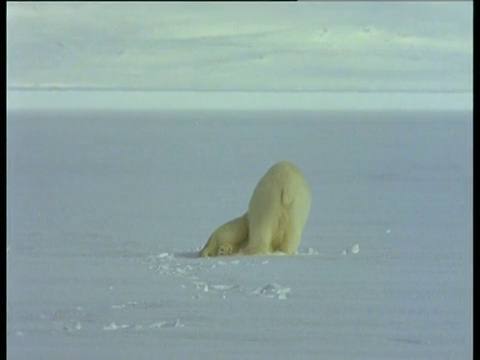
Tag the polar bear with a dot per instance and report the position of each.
(277, 213)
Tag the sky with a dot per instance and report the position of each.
(245, 46)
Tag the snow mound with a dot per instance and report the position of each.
(167, 324)
(114, 326)
(311, 251)
(160, 324)
(273, 290)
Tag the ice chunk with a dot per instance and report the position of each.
(178, 324)
(355, 249)
(199, 284)
(70, 328)
(158, 324)
(114, 326)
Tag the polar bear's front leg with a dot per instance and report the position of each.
(228, 239)
(225, 250)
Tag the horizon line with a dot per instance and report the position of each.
(152, 89)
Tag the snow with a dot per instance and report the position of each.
(106, 212)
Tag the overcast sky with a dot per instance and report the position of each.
(360, 46)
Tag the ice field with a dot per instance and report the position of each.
(106, 211)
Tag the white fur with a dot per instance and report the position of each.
(276, 216)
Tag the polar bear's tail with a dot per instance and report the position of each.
(287, 197)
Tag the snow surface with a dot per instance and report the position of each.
(106, 212)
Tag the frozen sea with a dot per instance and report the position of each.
(106, 211)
